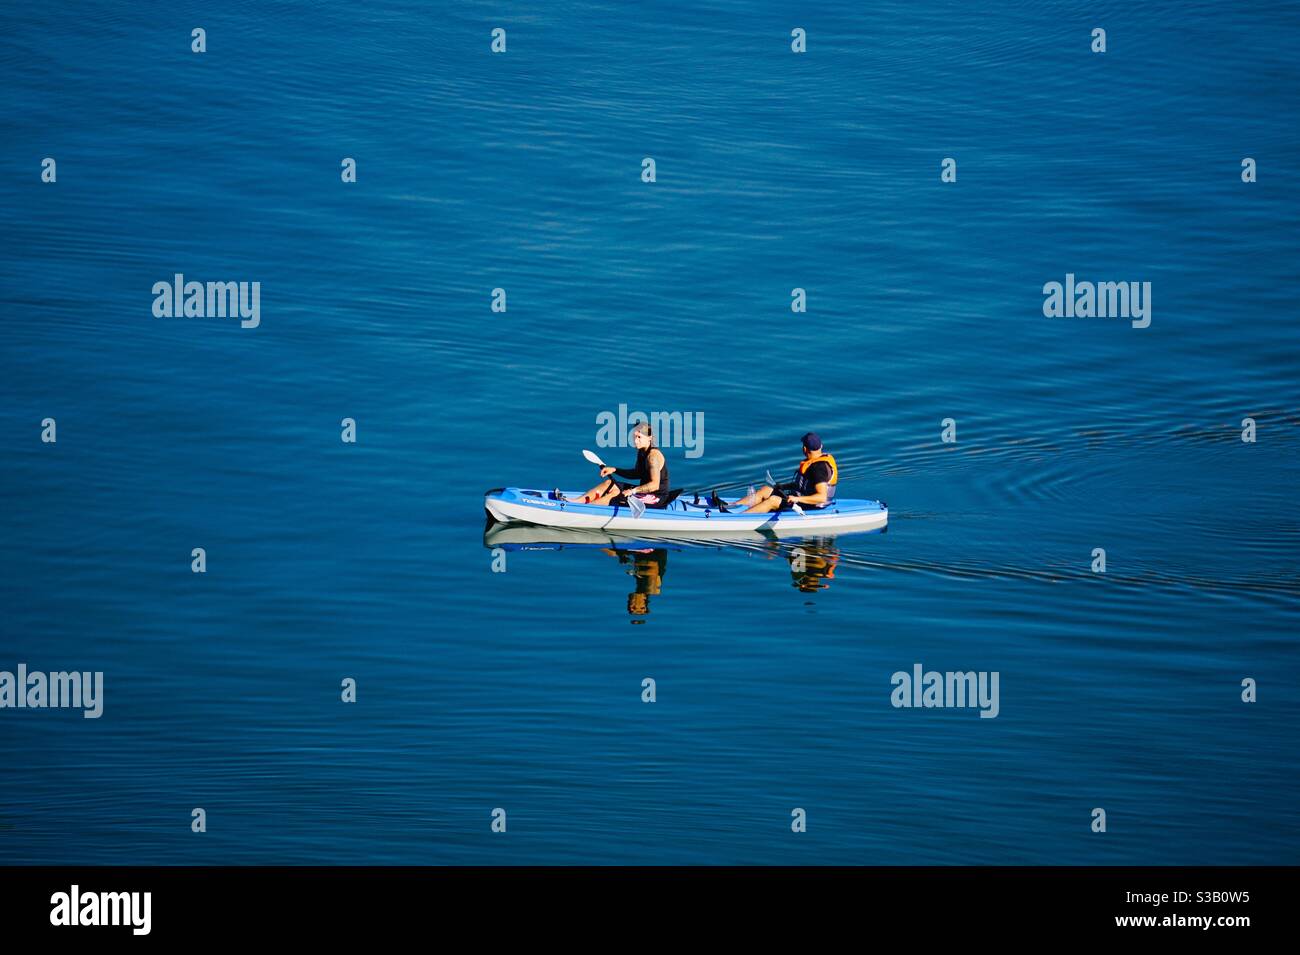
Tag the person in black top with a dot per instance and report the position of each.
(650, 472)
(813, 485)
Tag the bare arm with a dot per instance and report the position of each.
(656, 462)
(821, 489)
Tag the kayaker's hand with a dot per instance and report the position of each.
(606, 472)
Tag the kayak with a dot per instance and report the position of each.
(690, 516)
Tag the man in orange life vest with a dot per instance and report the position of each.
(813, 485)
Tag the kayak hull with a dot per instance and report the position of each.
(542, 508)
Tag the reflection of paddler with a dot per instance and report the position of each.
(648, 567)
(812, 566)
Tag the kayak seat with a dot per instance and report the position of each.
(671, 496)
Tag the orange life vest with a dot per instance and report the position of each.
(806, 463)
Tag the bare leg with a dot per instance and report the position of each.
(609, 494)
(600, 489)
(762, 494)
(768, 504)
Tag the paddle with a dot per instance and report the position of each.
(634, 504)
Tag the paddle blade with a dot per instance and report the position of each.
(593, 458)
(636, 506)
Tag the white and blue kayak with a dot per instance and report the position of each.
(692, 516)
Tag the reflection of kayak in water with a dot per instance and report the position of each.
(536, 537)
(644, 560)
(813, 560)
(519, 537)
(683, 516)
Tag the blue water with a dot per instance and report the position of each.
(522, 689)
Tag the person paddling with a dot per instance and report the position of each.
(813, 485)
(650, 472)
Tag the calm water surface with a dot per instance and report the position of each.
(522, 689)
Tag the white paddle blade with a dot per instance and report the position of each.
(796, 508)
(636, 506)
(770, 481)
(593, 458)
